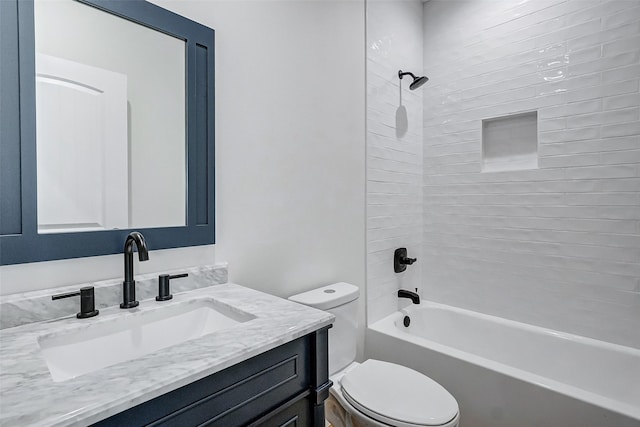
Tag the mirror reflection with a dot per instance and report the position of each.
(111, 121)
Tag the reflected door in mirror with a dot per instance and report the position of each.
(82, 155)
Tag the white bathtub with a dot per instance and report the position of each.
(510, 374)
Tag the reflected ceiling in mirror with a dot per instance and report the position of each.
(110, 121)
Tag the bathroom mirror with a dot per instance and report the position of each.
(107, 120)
(103, 113)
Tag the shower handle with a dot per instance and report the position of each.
(408, 261)
(401, 260)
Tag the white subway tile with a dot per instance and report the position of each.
(597, 10)
(599, 145)
(564, 110)
(565, 85)
(388, 165)
(527, 240)
(604, 199)
(621, 157)
(569, 32)
(606, 36)
(622, 129)
(604, 118)
(578, 56)
(552, 124)
(568, 161)
(615, 171)
(628, 72)
(394, 159)
(620, 18)
(562, 136)
(628, 44)
(621, 101)
(619, 88)
(615, 60)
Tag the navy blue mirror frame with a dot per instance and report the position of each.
(19, 238)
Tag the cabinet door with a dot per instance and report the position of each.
(296, 415)
(285, 386)
(233, 397)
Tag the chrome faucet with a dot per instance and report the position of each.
(129, 285)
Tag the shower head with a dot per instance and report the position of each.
(417, 81)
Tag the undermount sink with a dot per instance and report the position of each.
(134, 334)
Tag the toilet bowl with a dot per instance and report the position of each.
(373, 393)
(381, 394)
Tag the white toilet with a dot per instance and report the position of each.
(373, 393)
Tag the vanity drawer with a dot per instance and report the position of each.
(231, 397)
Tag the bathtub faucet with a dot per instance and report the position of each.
(413, 296)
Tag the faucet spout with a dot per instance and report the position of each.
(129, 285)
(413, 296)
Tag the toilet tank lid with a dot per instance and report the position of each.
(329, 296)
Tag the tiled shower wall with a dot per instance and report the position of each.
(557, 246)
(394, 150)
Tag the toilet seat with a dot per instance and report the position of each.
(397, 396)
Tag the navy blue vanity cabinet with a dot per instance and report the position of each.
(285, 386)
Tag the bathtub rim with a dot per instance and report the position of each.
(386, 326)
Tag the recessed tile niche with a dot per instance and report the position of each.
(510, 143)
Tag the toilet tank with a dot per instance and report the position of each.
(341, 300)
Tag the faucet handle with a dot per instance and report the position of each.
(401, 260)
(87, 301)
(407, 260)
(164, 291)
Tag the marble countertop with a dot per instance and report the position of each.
(29, 396)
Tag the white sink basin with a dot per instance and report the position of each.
(133, 335)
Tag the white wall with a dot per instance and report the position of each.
(558, 246)
(394, 150)
(290, 150)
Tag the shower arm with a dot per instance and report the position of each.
(401, 74)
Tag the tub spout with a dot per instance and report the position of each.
(413, 296)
